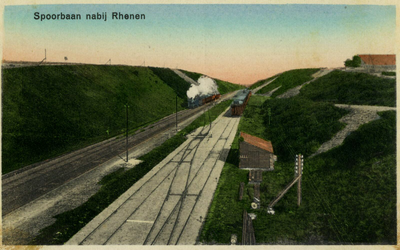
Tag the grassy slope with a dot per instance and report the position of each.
(50, 110)
(261, 82)
(115, 184)
(174, 81)
(352, 88)
(288, 80)
(223, 86)
(226, 209)
(349, 193)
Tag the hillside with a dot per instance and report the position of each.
(352, 88)
(348, 192)
(261, 82)
(287, 80)
(174, 81)
(223, 86)
(50, 110)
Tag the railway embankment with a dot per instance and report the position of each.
(348, 192)
(51, 110)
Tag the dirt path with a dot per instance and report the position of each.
(262, 86)
(185, 77)
(359, 114)
(296, 90)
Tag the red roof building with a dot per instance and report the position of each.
(256, 153)
(378, 59)
(258, 142)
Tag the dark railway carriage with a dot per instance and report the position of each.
(240, 101)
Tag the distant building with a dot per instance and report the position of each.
(378, 63)
(256, 154)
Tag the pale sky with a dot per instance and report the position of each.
(233, 42)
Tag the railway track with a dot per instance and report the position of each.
(177, 186)
(25, 185)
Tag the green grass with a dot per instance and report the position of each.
(225, 214)
(296, 125)
(348, 193)
(174, 81)
(223, 86)
(352, 88)
(206, 117)
(227, 87)
(261, 82)
(289, 80)
(51, 110)
(195, 76)
(115, 184)
(387, 73)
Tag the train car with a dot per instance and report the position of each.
(240, 101)
(207, 99)
(201, 100)
(211, 98)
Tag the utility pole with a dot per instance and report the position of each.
(299, 172)
(127, 129)
(176, 107)
(211, 116)
(269, 114)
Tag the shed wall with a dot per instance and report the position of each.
(252, 157)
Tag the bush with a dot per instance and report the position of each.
(387, 73)
(356, 62)
(352, 88)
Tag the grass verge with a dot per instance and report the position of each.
(115, 184)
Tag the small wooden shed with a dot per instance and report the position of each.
(256, 153)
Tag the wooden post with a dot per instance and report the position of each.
(300, 173)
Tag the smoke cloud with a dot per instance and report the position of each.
(207, 86)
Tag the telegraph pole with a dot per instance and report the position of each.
(269, 114)
(127, 129)
(299, 172)
(176, 107)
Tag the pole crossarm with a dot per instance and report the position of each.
(283, 192)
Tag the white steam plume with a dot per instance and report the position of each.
(207, 86)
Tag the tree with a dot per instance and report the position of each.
(356, 62)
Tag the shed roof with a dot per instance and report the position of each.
(258, 142)
(378, 59)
